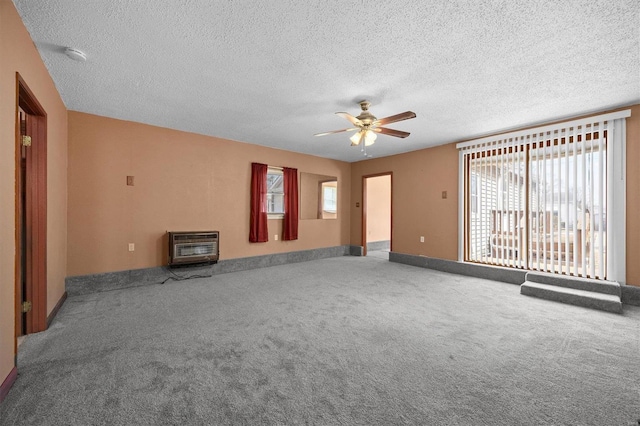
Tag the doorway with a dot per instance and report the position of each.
(31, 213)
(377, 215)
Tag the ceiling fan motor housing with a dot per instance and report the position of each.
(366, 117)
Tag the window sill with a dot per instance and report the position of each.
(275, 216)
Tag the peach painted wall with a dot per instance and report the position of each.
(379, 208)
(18, 54)
(419, 178)
(308, 196)
(182, 182)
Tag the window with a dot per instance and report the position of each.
(275, 192)
(274, 195)
(329, 195)
(542, 199)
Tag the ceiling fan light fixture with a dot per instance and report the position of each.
(356, 138)
(369, 138)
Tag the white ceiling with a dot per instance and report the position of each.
(273, 72)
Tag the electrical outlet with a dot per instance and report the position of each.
(422, 239)
(276, 237)
(130, 180)
(132, 246)
(444, 194)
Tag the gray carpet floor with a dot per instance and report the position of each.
(380, 254)
(348, 341)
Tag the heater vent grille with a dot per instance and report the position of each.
(194, 249)
(187, 248)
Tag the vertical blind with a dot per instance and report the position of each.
(538, 199)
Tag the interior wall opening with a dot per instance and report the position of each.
(377, 222)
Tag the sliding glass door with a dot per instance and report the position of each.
(539, 204)
(568, 226)
(497, 194)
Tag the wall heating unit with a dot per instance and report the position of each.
(189, 248)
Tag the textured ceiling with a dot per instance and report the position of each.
(273, 72)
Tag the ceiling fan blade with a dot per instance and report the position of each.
(350, 117)
(391, 132)
(335, 131)
(398, 117)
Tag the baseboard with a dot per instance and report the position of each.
(507, 275)
(56, 308)
(356, 251)
(109, 281)
(8, 382)
(630, 295)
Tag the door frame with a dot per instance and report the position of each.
(36, 212)
(364, 209)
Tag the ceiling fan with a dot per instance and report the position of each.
(367, 125)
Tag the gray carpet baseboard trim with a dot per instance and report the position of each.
(507, 275)
(630, 294)
(93, 283)
(356, 251)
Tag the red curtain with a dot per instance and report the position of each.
(258, 232)
(290, 224)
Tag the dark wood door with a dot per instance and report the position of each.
(31, 213)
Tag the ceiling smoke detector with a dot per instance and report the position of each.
(75, 54)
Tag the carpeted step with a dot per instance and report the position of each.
(597, 286)
(588, 299)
